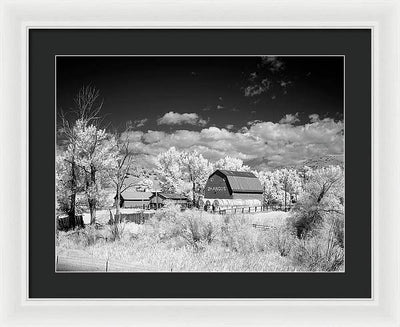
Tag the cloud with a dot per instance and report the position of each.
(140, 122)
(290, 119)
(264, 144)
(229, 126)
(285, 83)
(273, 64)
(175, 118)
(253, 90)
(314, 118)
(253, 76)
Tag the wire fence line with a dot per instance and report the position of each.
(89, 264)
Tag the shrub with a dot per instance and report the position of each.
(115, 231)
(238, 235)
(199, 229)
(320, 252)
(282, 240)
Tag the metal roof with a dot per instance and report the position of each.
(242, 181)
(133, 195)
(172, 196)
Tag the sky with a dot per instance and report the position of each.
(268, 111)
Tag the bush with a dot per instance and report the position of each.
(321, 252)
(282, 240)
(239, 236)
(199, 229)
(115, 231)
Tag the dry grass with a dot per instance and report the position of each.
(193, 241)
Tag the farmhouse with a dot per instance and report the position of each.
(158, 200)
(133, 199)
(232, 189)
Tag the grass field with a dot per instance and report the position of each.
(191, 241)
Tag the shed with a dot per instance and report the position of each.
(228, 184)
(160, 199)
(133, 199)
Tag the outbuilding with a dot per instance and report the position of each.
(133, 199)
(159, 199)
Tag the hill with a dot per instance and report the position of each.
(315, 162)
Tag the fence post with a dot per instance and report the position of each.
(107, 265)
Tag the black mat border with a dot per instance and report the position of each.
(355, 44)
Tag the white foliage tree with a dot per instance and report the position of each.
(183, 172)
(170, 171)
(230, 163)
(290, 184)
(96, 156)
(196, 171)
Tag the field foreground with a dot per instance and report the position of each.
(196, 241)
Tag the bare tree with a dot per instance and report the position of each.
(123, 168)
(87, 108)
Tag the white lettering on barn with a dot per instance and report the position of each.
(216, 188)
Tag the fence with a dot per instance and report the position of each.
(263, 227)
(89, 264)
(136, 217)
(234, 210)
(278, 207)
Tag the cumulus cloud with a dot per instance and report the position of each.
(274, 64)
(264, 144)
(314, 118)
(253, 90)
(290, 119)
(140, 122)
(175, 118)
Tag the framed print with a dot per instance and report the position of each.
(228, 172)
(239, 189)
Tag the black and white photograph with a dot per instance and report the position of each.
(200, 163)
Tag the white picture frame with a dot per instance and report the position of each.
(382, 17)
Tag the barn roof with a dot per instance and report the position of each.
(242, 181)
(133, 195)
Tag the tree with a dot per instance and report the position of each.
(87, 108)
(290, 183)
(170, 171)
(122, 167)
(96, 156)
(270, 183)
(196, 171)
(230, 163)
(322, 201)
(183, 172)
(144, 184)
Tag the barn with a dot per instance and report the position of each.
(159, 199)
(133, 199)
(233, 189)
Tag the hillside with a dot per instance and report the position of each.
(316, 162)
